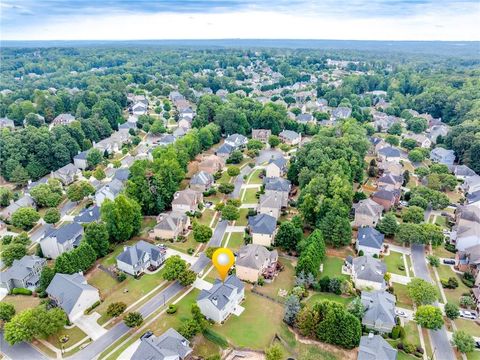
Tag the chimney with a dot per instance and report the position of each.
(370, 335)
(215, 300)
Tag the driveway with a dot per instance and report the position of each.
(201, 284)
(88, 324)
(218, 233)
(201, 263)
(239, 181)
(266, 155)
(400, 279)
(442, 348)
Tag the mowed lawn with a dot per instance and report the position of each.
(393, 261)
(468, 326)
(284, 281)
(332, 267)
(236, 241)
(453, 295)
(74, 334)
(183, 246)
(318, 296)
(250, 196)
(403, 299)
(22, 302)
(207, 216)
(242, 218)
(255, 177)
(256, 326)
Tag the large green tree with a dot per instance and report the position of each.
(122, 217)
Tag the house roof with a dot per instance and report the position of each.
(201, 178)
(442, 152)
(374, 347)
(341, 112)
(81, 155)
(236, 139)
(66, 289)
(186, 197)
(114, 187)
(166, 346)
(67, 232)
(132, 255)
(379, 308)
(277, 183)
(20, 269)
(254, 256)
(304, 117)
(262, 224)
(389, 151)
(272, 200)
(219, 293)
(463, 170)
(370, 269)
(368, 207)
(88, 215)
(280, 162)
(170, 221)
(385, 194)
(225, 149)
(370, 237)
(121, 174)
(289, 134)
(392, 179)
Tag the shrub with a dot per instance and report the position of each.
(233, 171)
(468, 279)
(433, 260)
(21, 291)
(261, 281)
(360, 253)
(121, 277)
(466, 301)
(172, 309)
(133, 319)
(409, 348)
(116, 309)
(215, 338)
(89, 310)
(450, 247)
(451, 283)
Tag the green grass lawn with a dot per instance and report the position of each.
(255, 177)
(332, 267)
(225, 178)
(250, 196)
(411, 333)
(400, 354)
(207, 216)
(236, 241)
(256, 326)
(453, 295)
(440, 251)
(147, 224)
(441, 221)
(284, 280)
(393, 261)
(468, 326)
(403, 299)
(474, 355)
(111, 259)
(74, 334)
(243, 218)
(183, 246)
(22, 302)
(317, 296)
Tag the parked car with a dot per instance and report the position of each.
(449, 261)
(468, 314)
(400, 313)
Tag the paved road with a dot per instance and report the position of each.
(441, 345)
(21, 351)
(69, 206)
(102, 343)
(218, 234)
(239, 181)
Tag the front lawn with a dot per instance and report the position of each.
(332, 267)
(243, 217)
(403, 299)
(183, 246)
(453, 295)
(474, 355)
(206, 218)
(225, 178)
(411, 333)
(393, 261)
(74, 335)
(22, 302)
(255, 177)
(250, 196)
(256, 326)
(284, 280)
(469, 326)
(236, 241)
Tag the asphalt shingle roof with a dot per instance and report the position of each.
(262, 224)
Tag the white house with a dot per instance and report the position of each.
(369, 241)
(63, 239)
(222, 299)
(135, 259)
(109, 191)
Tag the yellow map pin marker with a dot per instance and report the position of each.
(223, 260)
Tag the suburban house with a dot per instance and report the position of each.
(179, 132)
(62, 119)
(379, 312)
(262, 228)
(73, 294)
(80, 160)
(254, 261)
(113, 143)
(271, 203)
(201, 181)
(462, 172)
(290, 137)
(7, 123)
(389, 153)
(367, 272)
(305, 118)
(65, 238)
(468, 260)
(390, 181)
(391, 167)
(276, 167)
(186, 200)
(386, 198)
(170, 225)
(138, 108)
(88, 215)
(67, 174)
(466, 231)
(277, 184)
(471, 184)
(224, 151)
(442, 156)
(367, 213)
(236, 141)
(166, 139)
(438, 130)
(24, 273)
(261, 134)
(211, 164)
(369, 240)
(341, 112)
(375, 347)
(109, 191)
(24, 201)
(222, 299)
(137, 258)
(420, 140)
(168, 346)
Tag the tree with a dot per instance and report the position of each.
(418, 201)
(356, 308)
(47, 195)
(96, 234)
(254, 144)
(5, 196)
(273, 141)
(173, 267)
(226, 188)
(19, 175)
(416, 155)
(292, 307)
(274, 352)
(421, 291)
(230, 213)
(429, 317)
(116, 309)
(94, 157)
(187, 277)
(395, 129)
(52, 216)
(25, 217)
(413, 214)
(13, 252)
(388, 225)
(392, 140)
(122, 217)
(235, 157)
(233, 171)
(288, 236)
(409, 233)
(7, 311)
(409, 144)
(189, 328)
(433, 260)
(46, 277)
(201, 233)
(417, 125)
(452, 311)
(464, 342)
(133, 319)
(157, 127)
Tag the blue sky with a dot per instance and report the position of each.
(196, 19)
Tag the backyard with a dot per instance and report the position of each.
(284, 280)
(332, 267)
(22, 302)
(317, 296)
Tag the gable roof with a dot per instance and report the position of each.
(370, 237)
(262, 224)
(20, 269)
(170, 221)
(272, 200)
(67, 232)
(88, 215)
(389, 151)
(370, 269)
(201, 178)
(379, 308)
(289, 134)
(368, 207)
(374, 347)
(167, 345)
(280, 162)
(225, 149)
(219, 293)
(134, 254)
(254, 256)
(277, 183)
(186, 197)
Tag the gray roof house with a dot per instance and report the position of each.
(24, 273)
(277, 184)
(166, 139)
(62, 119)
(24, 201)
(341, 112)
(135, 259)
(170, 225)
(262, 228)
(66, 174)
(374, 347)
(88, 215)
(169, 345)
(72, 293)
(222, 299)
(290, 137)
(272, 203)
(58, 241)
(379, 312)
(462, 171)
(261, 134)
(121, 174)
(224, 150)
(276, 167)
(80, 160)
(201, 181)
(109, 191)
(254, 261)
(6, 123)
(442, 156)
(367, 272)
(367, 213)
(369, 240)
(305, 118)
(236, 140)
(389, 153)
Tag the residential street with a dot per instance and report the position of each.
(441, 345)
(22, 351)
